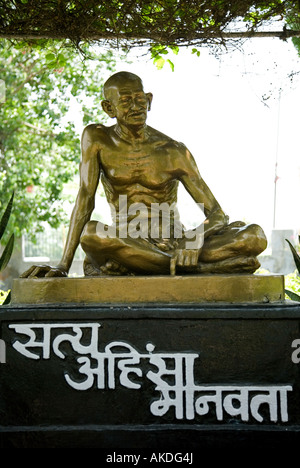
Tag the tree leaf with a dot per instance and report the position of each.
(171, 64)
(7, 299)
(5, 217)
(196, 51)
(159, 62)
(50, 57)
(175, 49)
(295, 255)
(293, 296)
(5, 257)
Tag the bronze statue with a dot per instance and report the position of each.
(140, 167)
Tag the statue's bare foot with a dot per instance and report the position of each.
(43, 271)
(90, 270)
(230, 265)
(111, 268)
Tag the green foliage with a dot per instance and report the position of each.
(196, 51)
(292, 284)
(157, 52)
(293, 280)
(293, 22)
(6, 254)
(39, 145)
(4, 297)
(164, 22)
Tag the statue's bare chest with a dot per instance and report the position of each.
(148, 167)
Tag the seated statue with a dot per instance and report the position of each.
(140, 169)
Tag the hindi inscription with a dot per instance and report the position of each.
(120, 364)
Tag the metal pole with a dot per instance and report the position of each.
(276, 161)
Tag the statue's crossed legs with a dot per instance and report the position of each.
(234, 249)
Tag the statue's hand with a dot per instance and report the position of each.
(184, 257)
(43, 271)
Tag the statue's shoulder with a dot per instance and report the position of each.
(167, 141)
(95, 129)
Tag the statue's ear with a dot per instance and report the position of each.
(107, 107)
(149, 97)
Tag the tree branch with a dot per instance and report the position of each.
(29, 78)
(39, 129)
(284, 34)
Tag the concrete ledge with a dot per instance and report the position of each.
(150, 289)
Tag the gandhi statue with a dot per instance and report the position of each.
(140, 168)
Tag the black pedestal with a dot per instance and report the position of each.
(156, 376)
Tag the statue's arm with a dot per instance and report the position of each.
(216, 219)
(84, 205)
(85, 201)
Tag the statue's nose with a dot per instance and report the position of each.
(136, 104)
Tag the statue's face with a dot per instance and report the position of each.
(129, 103)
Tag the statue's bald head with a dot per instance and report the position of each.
(124, 89)
(119, 79)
